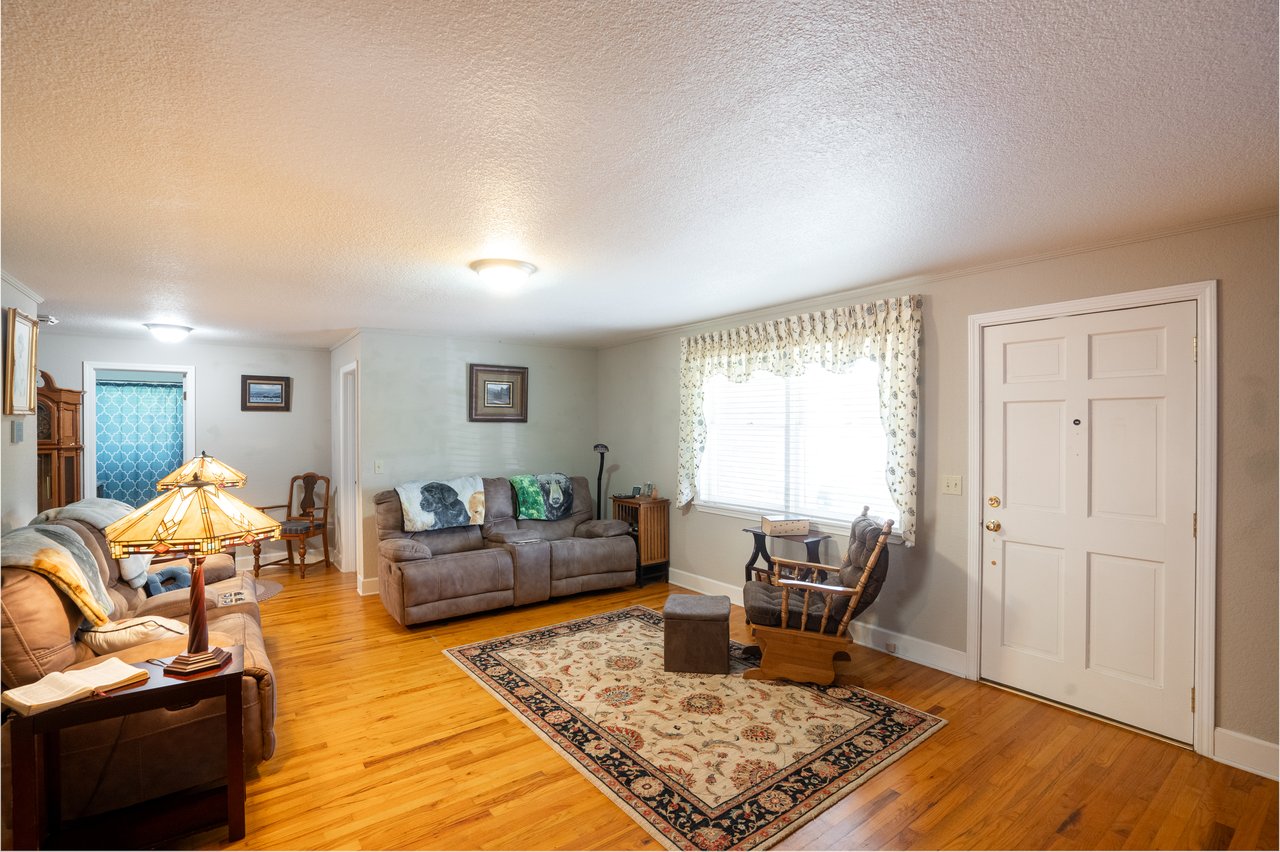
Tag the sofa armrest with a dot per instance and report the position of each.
(403, 550)
(602, 529)
(513, 537)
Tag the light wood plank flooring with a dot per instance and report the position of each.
(383, 743)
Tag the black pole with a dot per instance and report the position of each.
(601, 449)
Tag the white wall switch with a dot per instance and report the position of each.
(15, 431)
(953, 485)
(377, 466)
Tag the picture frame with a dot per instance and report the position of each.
(20, 333)
(266, 393)
(497, 394)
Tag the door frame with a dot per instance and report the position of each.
(348, 467)
(89, 413)
(1205, 295)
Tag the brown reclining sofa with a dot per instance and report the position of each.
(436, 574)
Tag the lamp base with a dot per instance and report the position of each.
(187, 663)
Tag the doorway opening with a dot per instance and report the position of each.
(139, 426)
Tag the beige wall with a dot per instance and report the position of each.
(925, 597)
(269, 447)
(18, 460)
(413, 415)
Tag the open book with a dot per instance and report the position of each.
(58, 688)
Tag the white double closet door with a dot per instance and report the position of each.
(1089, 473)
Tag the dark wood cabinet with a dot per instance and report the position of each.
(59, 447)
(648, 520)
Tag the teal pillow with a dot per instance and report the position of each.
(543, 496)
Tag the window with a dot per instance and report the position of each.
(811, 445)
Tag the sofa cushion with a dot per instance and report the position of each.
(516, 536)
(37, 628)
(116, 635)
(403, 549)
(602, 529)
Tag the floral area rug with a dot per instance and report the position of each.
(701, 761)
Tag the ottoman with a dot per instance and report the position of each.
(695, 634)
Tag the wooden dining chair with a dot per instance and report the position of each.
(306, 515)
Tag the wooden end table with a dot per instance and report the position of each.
(37, 791)
(811, 541)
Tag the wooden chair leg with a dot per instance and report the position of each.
(324, 537)
(257, 558)
(289, 544)
(302, 557)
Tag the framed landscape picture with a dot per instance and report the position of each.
(265, 393)
(19, 362)
(497, 393)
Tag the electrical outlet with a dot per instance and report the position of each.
(377, 466)
(891, 647)
(953, 485)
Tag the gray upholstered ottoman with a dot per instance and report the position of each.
(696, 634)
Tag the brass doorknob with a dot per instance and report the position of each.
(993, 526)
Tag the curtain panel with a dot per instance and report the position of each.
(886, 331)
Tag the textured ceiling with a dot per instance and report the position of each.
(286, 171)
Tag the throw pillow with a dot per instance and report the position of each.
(543, 496)
(167, 579)
(117, 635)
(436, 505)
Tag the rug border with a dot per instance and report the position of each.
(625, 807)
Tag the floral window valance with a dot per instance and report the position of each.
(886, 331)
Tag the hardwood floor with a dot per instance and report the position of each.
(383, 743)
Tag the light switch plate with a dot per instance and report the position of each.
(15, 431)
(377, 466)
(953, 485)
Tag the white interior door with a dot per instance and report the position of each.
(1089, 475)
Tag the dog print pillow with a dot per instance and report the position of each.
(432, 505)
(543, 496)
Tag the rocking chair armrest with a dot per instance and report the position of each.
(265, 508)
(839, 591)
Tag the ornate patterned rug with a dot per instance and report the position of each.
(701, 761)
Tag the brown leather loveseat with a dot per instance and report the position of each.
(436, 574)
(120, 762)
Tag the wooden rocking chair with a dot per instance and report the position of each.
(800, 615)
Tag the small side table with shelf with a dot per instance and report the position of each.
(648, 518)
(811, 540)
(37, 818)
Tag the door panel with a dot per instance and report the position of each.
(1089, 444)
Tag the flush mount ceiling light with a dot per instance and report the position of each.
(501, 273)
(166, 333)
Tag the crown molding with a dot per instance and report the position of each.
(21, 288)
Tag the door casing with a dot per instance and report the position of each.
(1204, 293)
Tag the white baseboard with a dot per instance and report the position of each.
(1248, 753)
(920, 651)
(695, 583)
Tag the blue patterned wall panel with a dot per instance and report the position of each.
(139, 433)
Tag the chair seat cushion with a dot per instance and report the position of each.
(298, 527)
(763, 603)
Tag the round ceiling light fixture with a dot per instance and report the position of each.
(168, 333)
(502, 273)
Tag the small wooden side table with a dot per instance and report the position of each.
(648, 520)
(811, 541)
(37, 797)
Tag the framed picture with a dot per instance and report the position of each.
(497, 393)
(266, 393)
(19, 362)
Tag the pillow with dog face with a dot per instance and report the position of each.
(437, 505)
(543, 496)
